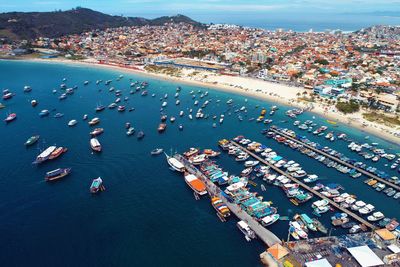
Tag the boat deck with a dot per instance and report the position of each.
(364, 172)
(306, 187)
(263, 233)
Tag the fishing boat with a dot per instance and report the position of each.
(175, 164)
(156, 151)
(94, 121)
(32, 140)
(249, 234)
(43, 156)
(10, 117)
(72, 123)
(57, 152)
(97, 131)
(44, 113)
(195, 184)
(140, 135)
(270, 219)
(95, 144)
(220, 207)
(57, 174)
(97, 185)
(161, 127)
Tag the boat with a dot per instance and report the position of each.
(72, 123)
(32, 140)
(195, 184)
(57, 174)
(100, 108)
(140, 135)
(311, 178)
(34, 103)
(320, 226)
(130, 131)
(220, 207)
(121, 108)
(376, 216)
(97, 185)
(180, 127)
(10, 117)
(59, 115)
(8, 95)
(251, 163)
(308, 222)
(27, 88)
(95, 144)
(298, 229)
(161, 127)
(97, 131)
(85, 116)
(44, 113)
(172, 119)
(43, 156)
(175, 164)
(57, 152)
(94, 121)
(157, 151)
(270, 219)
(249, 234)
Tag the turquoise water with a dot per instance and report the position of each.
(147, 216)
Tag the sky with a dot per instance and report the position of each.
(249, 12)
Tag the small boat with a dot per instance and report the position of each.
(8, 95)
(130, 131)
(44, 113)
(27, 89)
(180, 127)
(270, 219)
(249, 234)
(161, 127)
(10, 117)
(156, 151)
(121, 108)
(220, 207)
(57, 174)
(72, 123)
(85, 116)
(97, 185)
(34, 103)
(172, 119)
(32, 140)
(57, 152)
(140, 135)
(95, 144)
(58, 115)
(94, 121)
(112, 105)
(97, 131)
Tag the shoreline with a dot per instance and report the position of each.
(258, 89)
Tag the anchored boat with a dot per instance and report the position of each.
(57, 174)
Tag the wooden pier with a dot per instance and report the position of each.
(366, 173)
(262, 233)
(306, 187)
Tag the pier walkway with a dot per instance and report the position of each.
(263, 233)
(366, 173)
(303, 185)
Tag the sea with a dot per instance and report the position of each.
(147, 216)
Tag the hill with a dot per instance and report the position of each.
(29, 25)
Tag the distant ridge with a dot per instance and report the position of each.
(30, 25)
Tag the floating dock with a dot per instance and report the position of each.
(303, 185)
(262, 233)
(366, 173)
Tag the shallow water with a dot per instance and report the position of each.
(147, 215)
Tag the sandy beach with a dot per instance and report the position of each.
(255, 88)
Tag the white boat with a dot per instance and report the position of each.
(198, 159)
(366, 209)
(270, 219)
(251, 163)
(181, 113)
(249, 234)
(95, 144)
(376, 216)
(175, 164)
(72, 123)
(177, 102)
(358, 205)
(94, 121)
(45, 154)
(164, 104)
